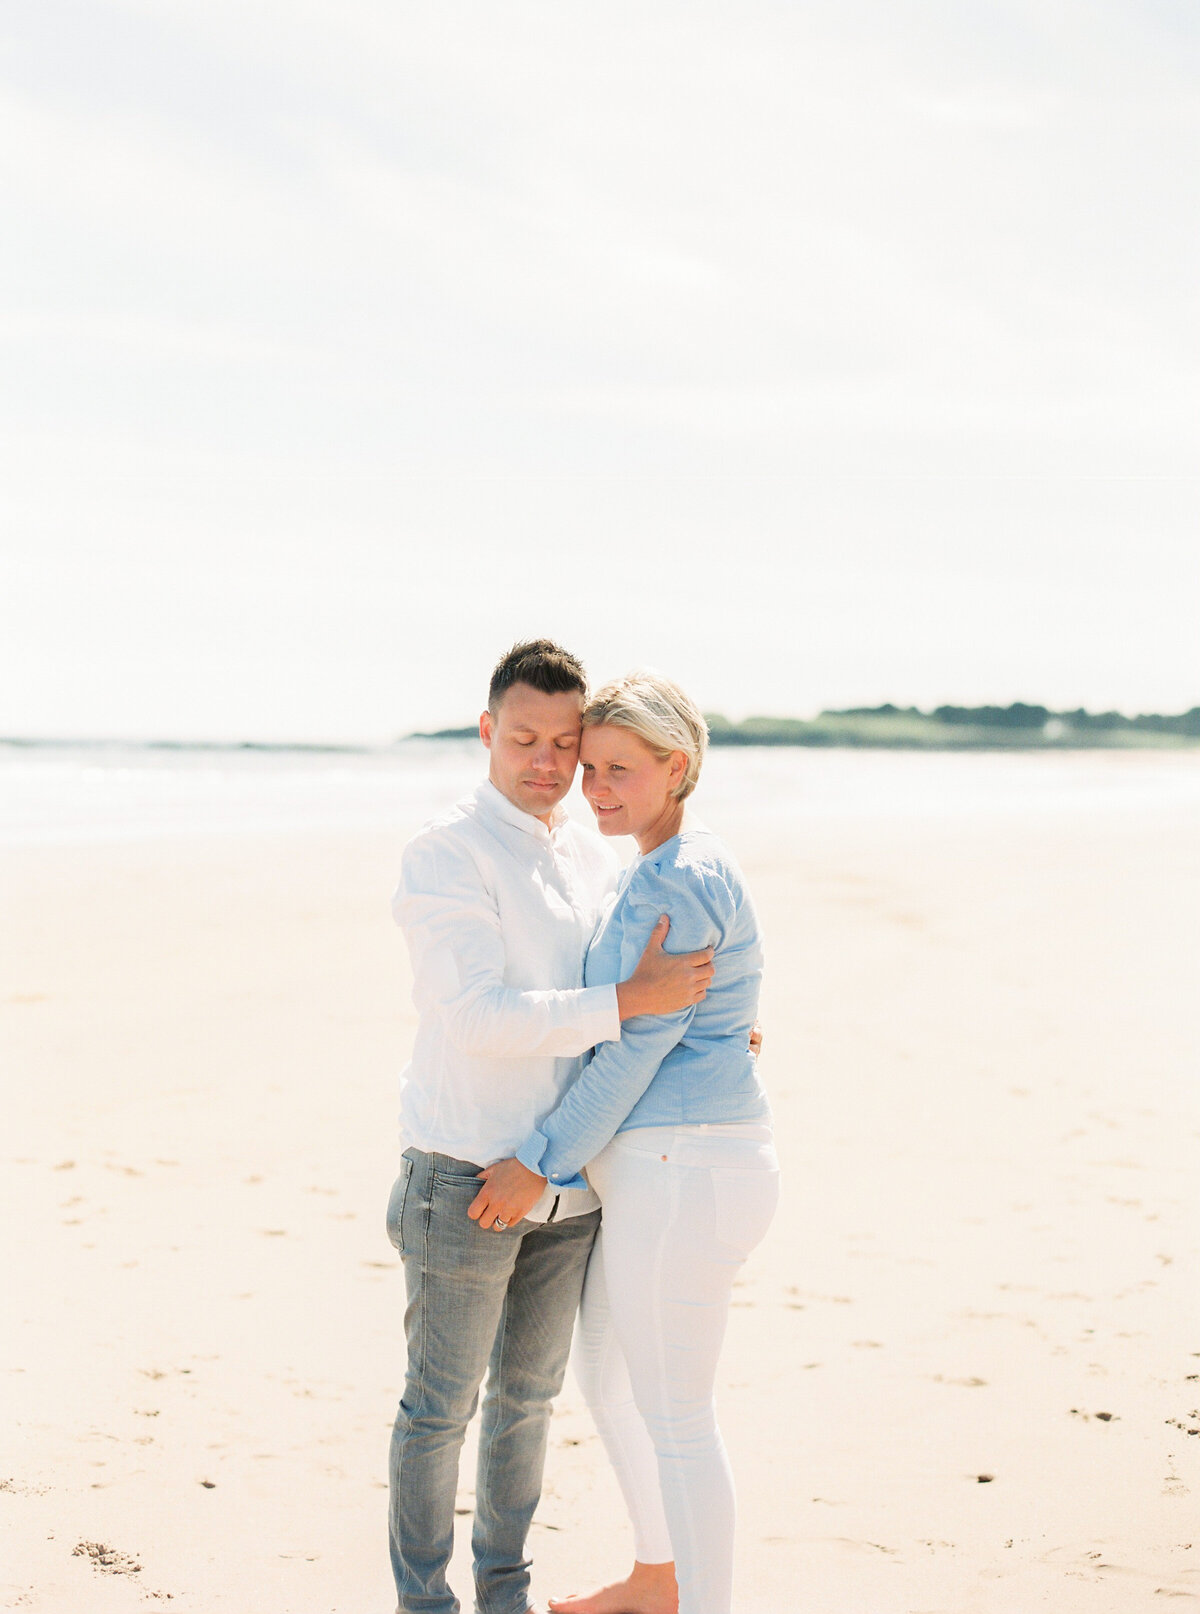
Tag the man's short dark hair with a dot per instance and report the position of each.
(540, 663)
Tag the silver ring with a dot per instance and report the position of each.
(499, 1223)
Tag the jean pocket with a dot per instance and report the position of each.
(395, 1210)
(454, 1181)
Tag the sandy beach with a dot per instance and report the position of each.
(962, 1375)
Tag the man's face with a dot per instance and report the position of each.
(533, 741)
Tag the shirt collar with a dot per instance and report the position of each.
(498, 805)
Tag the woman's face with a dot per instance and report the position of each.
(629, 788)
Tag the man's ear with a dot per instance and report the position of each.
(485, 728)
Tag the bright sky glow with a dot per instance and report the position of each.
(820, 355)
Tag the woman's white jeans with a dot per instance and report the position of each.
(683, 1208)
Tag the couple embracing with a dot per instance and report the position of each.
(565, 1059)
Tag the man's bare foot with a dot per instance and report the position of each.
(650, 1589)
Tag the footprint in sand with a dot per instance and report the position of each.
(107, 1560)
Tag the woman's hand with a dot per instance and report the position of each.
(756, 1038)
(509, 1191)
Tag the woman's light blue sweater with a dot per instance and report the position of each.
(676, 1069)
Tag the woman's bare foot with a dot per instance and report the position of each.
(650, 1589)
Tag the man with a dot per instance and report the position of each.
(498, 900)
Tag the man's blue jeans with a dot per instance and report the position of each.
(500, 1301)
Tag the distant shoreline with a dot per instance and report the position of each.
(302, 747)
(1019, 727)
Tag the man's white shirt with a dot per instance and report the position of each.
(498, 911)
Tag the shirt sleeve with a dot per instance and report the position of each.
(452, 926)
(593, 1107)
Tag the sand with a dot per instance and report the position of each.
(962, 1375)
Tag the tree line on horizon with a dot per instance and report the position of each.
(1020, 715)
(1019, 724)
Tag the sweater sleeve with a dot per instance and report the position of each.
(451, 923)
(591, 1111)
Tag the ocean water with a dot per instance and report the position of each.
(63, 794)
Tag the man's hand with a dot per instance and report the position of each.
(664, 982)
(509, 1191)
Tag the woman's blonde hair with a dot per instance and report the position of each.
(660, 714)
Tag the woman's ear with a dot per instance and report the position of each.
(678, 771)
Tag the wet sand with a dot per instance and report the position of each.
(962, 1375)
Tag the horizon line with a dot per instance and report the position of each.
(464, 732)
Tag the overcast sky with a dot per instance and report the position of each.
(819, 354)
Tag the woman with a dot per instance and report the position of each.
(674, 1128)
